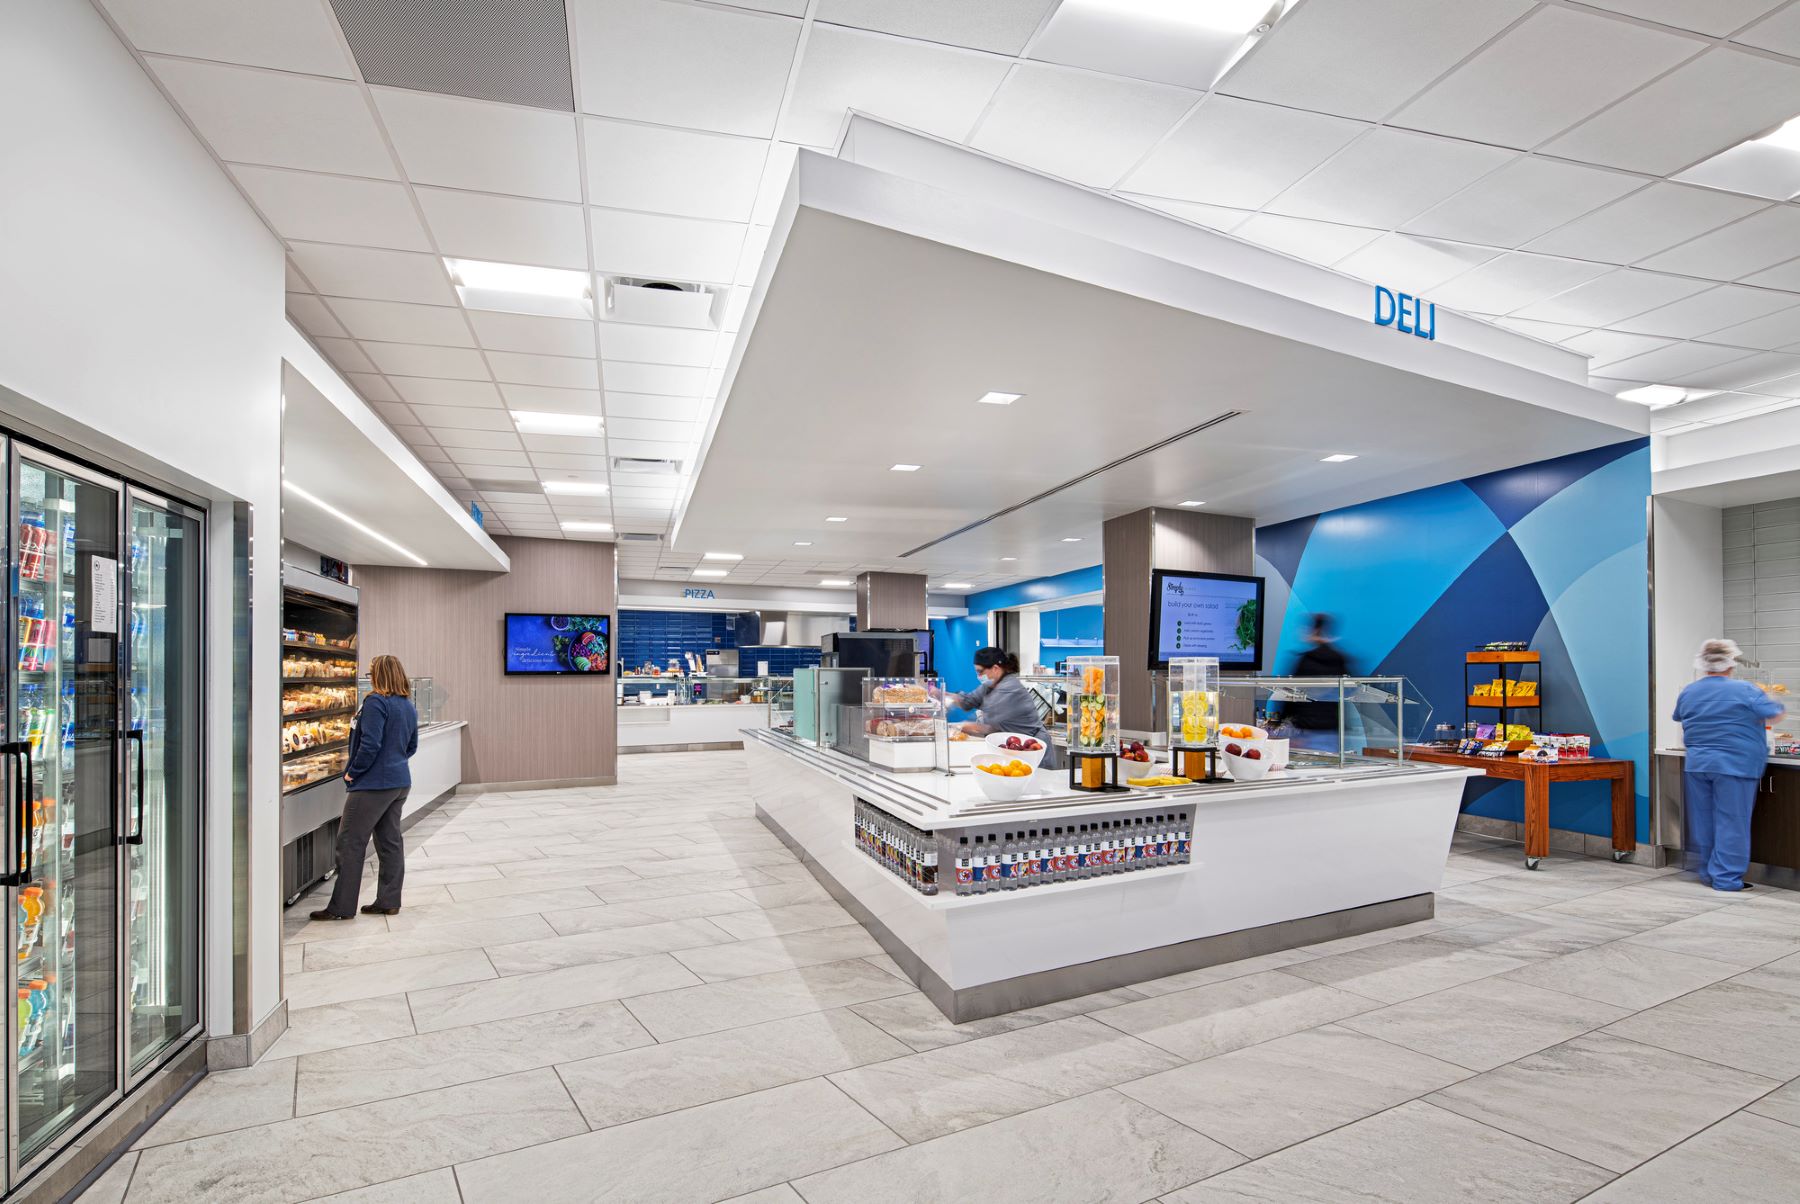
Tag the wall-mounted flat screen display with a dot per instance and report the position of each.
(558, 644)
(1206, 614)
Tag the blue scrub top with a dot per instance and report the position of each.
(1722, 722)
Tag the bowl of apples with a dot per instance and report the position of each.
(1028, 749)
(1134, 750)
(1002, 777)
(1247, 764)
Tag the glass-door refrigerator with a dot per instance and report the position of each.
(102, 792)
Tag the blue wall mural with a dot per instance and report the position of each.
(955, 640)
(1552, 553)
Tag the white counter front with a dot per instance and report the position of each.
(436, 767)
(698, 725)
(1311, 856)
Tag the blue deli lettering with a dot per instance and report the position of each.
(1406, 313)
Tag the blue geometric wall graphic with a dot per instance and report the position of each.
(1512, 493)
(1282, 544)
(1590, 509)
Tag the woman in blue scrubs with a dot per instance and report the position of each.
(1722, 723)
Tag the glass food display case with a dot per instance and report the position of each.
(1193, 713)
(318, 689)
(427, 698)
(898, 725)
(700, 690)
(1093, 725)
(1331, 721)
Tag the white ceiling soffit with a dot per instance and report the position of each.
(337, 452)
(887, 305)
(1736, 463)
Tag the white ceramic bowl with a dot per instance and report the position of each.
(995, 787)
(1243, 769)
(1277, 753)
(1256, 733)
(995, 739)
(1261, 742)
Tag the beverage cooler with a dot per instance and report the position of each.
(101, 767)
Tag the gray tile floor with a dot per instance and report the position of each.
(636, 994)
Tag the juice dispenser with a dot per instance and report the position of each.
(1193, 714)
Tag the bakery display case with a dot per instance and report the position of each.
(318, 688)
(898, 725)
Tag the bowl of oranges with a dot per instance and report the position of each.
(1001, 777)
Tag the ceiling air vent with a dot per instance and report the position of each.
(512, 51)
(638, 537)
(662, 303)
(645, 466)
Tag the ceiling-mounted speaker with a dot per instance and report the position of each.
(511, 51)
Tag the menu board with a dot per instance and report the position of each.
(1206, 614)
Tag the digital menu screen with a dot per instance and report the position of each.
(558, 643)
(1206, 614)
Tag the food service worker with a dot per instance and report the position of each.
(1722, 723)
(1002, 703)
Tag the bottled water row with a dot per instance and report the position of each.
(1001, 861)
(909, 853)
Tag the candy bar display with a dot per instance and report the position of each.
(909, 853)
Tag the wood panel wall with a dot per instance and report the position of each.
(448, 625)
(890, 601)
(1131, 546)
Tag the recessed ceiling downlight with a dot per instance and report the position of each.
(1654, 395)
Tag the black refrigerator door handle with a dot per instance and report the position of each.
(136, 735)
(18, 794)
(23, 764)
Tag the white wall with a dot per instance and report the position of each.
(1690, 599)
(141, 306)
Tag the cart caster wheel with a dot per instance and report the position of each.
(1621, 855)
(1531, 863)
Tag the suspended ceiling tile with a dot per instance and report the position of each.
(647, 405)
(654, 449)
(664, 379)
(1549, 332)
(1757, 168)
(592, 445)
(346, 355)
(309, 314)
(523, 332)
(1002, 26)
(1503, 285)
(288, 35)
(1714, 17)
(1779, 329)
(1240, 153)
(411, 359)
(1316, 242)
(476, 144)
(1076, 124)
(318, 208)
(399, 322)
(1213, 217)
(559, 460)
(479, 446)
(556, 400)
(555, 371)
(662, 170)
(648, 428)
(1414, 265)
(464, 418)
(250, 115)
(665, 248)
(656, 344)
(1779, 32)
(1522, 200)
(1667, 363)
(419, 390)
(372, 387)
(1758, 241)
(1388, 177)
(338, 271)
(483, 470)
(938, 89)
(1612, 297)
(1747, 373)
(1719, 308)
(1650, 220)
(504, 229)
(1555, 68)
(295, 282)
(1397, 47)
(683, 64)
(1782, 276)
(1693, 112)
(1604, 347)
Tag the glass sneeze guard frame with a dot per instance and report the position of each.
(1376, 712)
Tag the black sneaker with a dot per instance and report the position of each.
(326, 915)
(369, 909)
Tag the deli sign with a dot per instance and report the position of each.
(1405, 313)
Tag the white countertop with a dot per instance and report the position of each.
(1773, 758)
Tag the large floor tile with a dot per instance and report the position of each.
(765, 955)
(1260, 1099)
(932, 1094)
(521, 903)
(607, 944)
(521, 995)
(644, 890)
(1782, 1104)
(710, 1152)
(1098, 1149)
(499, 886)
(1623, 974)
(714, 1007)
(1781, 975)
(786, 894)
(1224, 1016)
(1228, 970)
(1743, 1157)
(1413, 1154)
(423, 942)
(915, 1020)
(1365, 940)
(1743, 936)
(335, 1025)
(433, 1187)
(1604, 1099)
(1489, 894)
(1487, 1023)
(342, 1078)
(1403, 969)
(315, 988)
(1729, 1023)
(1531, 935)
(652, 911)
(355, 1147)
(629, 1086)
(228, 1099)
(780, 921)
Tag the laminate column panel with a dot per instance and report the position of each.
(890, 601)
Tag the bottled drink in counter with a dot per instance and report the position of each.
(907, 852)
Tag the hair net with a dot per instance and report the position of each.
(1716, 656)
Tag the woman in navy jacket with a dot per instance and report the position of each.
(384, 737)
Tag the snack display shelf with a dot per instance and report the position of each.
(314, 750)
(327, 713)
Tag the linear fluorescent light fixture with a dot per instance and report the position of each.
(956, 585)
(572, 525)
(1786, 135)
(520, 288)
(1004, 559)
(540, 422)
(1654, 395)
(904, 468)
(576, 488)
(836, 518)
(723, 556)
(1228, 16)
(1071, 539)
(365, 528)
(803, 543)
(837, 583)
(1337, 458)
(1191, 504)
(712, 572)
(998, 399)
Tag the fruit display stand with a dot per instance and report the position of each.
(1094, 723)
(1511, 697)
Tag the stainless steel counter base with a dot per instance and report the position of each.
(1087, 978)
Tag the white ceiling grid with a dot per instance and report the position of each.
(1508, 157)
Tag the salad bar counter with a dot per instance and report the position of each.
(1002, 886)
